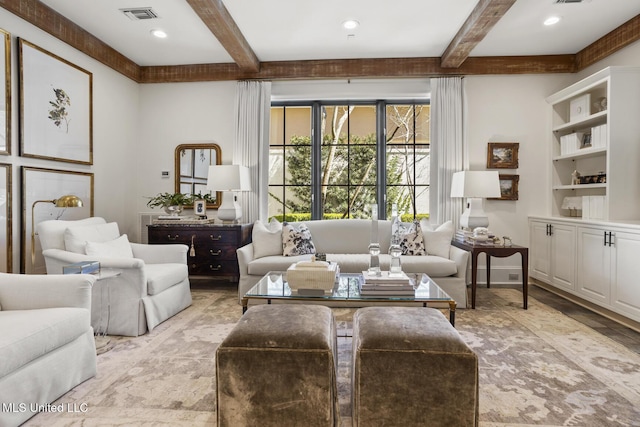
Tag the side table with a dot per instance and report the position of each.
(500, 252)
(102, 279)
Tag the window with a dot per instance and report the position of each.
(331, 160)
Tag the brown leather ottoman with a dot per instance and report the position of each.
(411, 367)
(277, 367)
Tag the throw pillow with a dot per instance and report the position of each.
(437, 242)
(76, 238)
(296, 240)
(267, 239)
(117, 248)
(408, 236)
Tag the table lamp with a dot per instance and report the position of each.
(68, 201)
(228, 179)
(475, 186)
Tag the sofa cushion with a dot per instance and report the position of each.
(408, 236)
(355, 263)
(267, 238)
(432, 265)
(296, 240)
(261, 266)
(29, 334)
(161, 277)
(437, 241)
(76, 237)
(116, 248)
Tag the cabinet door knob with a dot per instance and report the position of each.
(216, 253)
(174, 237)
(214, 238)
(216, 268)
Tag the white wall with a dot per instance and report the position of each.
(115, 117)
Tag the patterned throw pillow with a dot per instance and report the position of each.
(408, 236)
(296, 240)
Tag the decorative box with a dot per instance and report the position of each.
(580, 108)
(303, 275)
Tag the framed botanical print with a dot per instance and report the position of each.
(5, 93)
(502, 155)
(56, 111)
(41, 188)
(6, 246)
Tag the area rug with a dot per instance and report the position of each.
(537, 367)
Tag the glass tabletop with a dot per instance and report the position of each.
(274, 286)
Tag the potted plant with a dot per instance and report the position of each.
(171, 202)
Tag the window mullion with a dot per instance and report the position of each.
(316, 161)
(381, 158)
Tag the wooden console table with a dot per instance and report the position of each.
(214, 246)
(500, 252)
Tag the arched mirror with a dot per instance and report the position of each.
(191, 169)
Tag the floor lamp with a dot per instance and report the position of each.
(475, 186)
(68, 201)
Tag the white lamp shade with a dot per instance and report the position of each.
(476, 184)
(228, 178)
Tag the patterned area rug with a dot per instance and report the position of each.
(537, 367)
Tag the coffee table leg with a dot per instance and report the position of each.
(452, 313)
(245, 302)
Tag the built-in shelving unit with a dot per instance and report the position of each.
(579, 111)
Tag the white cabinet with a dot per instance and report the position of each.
(594, 265)
(625, 274)
(599, 139)
(552, 253)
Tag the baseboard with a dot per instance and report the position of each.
(625, 321)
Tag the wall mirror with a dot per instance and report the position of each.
(192, 163)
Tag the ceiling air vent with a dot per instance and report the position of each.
(568, 1)
(140, 13)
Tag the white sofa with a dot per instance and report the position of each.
(153, 283)
(346, 242)
(46, 344)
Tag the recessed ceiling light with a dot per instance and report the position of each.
(159, 34)
(350, 24)
(552, 20)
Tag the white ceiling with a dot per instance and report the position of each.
(284, 30)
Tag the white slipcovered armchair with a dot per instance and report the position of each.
(153, 283)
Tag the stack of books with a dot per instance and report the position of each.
(385, 285)
(463, 235)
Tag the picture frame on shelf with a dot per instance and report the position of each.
(6, 215)
(46, 185)
(586, 141)
(508, 187)
(502, 155)
(5, 92)
(56, 107)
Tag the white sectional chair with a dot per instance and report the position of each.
(153, 283)
(46, 344)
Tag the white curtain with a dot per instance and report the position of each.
(448, 148)
(253, 106)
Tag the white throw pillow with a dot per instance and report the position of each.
(267, 239)
(76, 238)
(296, 240)
(117, 248)
(408, 236)
(438, 241)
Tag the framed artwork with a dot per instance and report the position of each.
(6, 246)
(56, 107)
(5, 93)
(502, 155)
(40, 189)
(192, 163)
(508, 187)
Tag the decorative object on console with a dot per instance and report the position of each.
(68, 201)
(502, 155)
(475, 185)
(229, 179)
(200, 208)
(172, 203)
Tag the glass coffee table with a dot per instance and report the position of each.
(273, 286)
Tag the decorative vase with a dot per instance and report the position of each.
(173, 210)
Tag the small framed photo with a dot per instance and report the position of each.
(200, 207)
(586, 141)
(502, 155)
(508, 187)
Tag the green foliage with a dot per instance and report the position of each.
(59, 112)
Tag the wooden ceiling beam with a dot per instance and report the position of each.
(481, 20)
(217, 18)
(47, 19)
(359, 68)
(610, 43)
